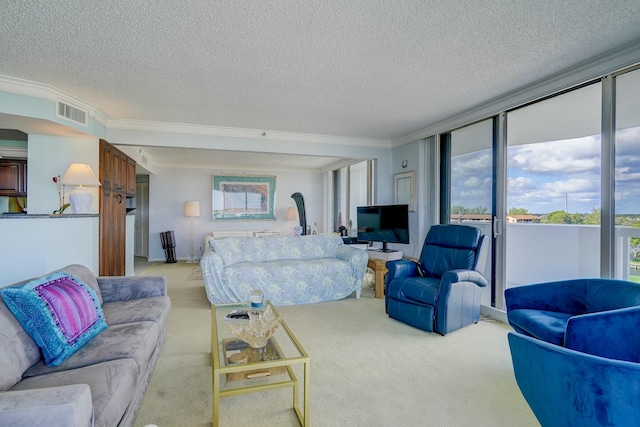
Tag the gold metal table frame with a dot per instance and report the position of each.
(219, 367)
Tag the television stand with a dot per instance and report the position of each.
(385, 256)
(378, 263)
(385, 249)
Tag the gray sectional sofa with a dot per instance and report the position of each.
(103, 382)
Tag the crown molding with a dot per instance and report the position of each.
(242, 133)
(594, 68)
(13, 152)
(26, 87)
(50, 93)
(45, 91)
(242, 170)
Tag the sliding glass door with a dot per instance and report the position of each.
(553, 188)
(468, 168)
(554, 184)
(627, 176)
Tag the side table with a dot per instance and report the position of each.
(377, 261)
(380, 269)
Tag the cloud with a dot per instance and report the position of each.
(552, 175)
(475, 181)
(628, 151)
(572, 185)
(477, 163)
(566, 156)
(626, 175)
(521, 183)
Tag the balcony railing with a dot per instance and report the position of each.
(627, 268)
(546, 252)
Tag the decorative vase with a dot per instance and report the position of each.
(258, 329)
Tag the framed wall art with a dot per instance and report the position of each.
(241, 197)
(405, 189)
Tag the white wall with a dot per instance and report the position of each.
(49, 156)
(411, 153)
(169, 188)
(129, 268)
(35, 246)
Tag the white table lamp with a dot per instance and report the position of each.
(292, 215)
(191, 209)
(81, 175)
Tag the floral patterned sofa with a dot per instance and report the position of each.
(288, 270)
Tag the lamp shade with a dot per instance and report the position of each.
(192, 208)
(291, 214)
(79, 174)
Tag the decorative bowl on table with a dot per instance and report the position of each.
(258, 329)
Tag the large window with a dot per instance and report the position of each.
(555, 184)
(352, 187)
(627, 176)
(553, 188)
(470, 173)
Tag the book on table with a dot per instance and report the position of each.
(237, 315)
(237, 352)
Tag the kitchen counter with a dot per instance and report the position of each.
(38, 216)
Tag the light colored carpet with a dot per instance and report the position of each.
(196, 274)
(366, 369)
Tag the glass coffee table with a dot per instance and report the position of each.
(239, 369)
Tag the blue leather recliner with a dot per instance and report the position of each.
(563, 311)
(596, 386)
(441, 292)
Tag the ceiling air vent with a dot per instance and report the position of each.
(74, 114)
(144, 159)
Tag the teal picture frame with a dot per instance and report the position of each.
(243, 198)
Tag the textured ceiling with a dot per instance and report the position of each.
(374, 69)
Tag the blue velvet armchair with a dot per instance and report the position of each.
(441, 292)
(569, 388)
(563, 311)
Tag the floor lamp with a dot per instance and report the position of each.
(191, 209)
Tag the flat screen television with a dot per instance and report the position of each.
(385, 224)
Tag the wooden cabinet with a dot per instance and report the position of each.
(106, 164)
(131, 177)
(120, 182)
(115, 167)
(13, 178)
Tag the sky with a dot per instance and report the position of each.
(551, 176)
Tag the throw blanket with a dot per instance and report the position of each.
(288, 270)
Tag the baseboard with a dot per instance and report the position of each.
(494, 313)
(184, 260)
